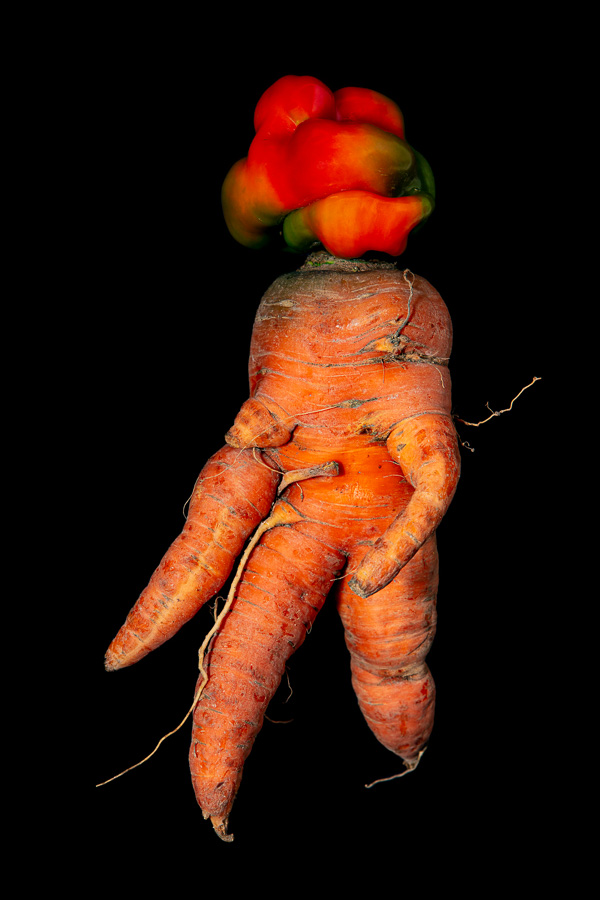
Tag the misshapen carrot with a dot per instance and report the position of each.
(350, 403)
(354, 356)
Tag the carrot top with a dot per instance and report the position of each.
(312, 144)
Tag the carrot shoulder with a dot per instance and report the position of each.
(233, 493)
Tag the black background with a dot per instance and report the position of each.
(175, 301)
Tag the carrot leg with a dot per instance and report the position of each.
(284, 585)
(389, 636)
(234, 492)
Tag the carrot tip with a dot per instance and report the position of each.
(110, 663)
(220, 825)
(113, 662)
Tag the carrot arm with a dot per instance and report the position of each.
(234, 492)
(426, 448)
(256, 425)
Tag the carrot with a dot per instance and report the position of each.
(344, 458)
(337, 352)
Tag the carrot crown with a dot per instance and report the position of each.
(329, 169)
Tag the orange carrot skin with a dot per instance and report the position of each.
(350, 359)
(233, 493)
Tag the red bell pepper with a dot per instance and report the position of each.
(363, 105)
(312, 146)
(351, 223)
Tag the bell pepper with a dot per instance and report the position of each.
(363, 105)
(350, 223)
(290, 101)
(311, 145)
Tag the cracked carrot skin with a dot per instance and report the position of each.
(348, 365)
(233, 493)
